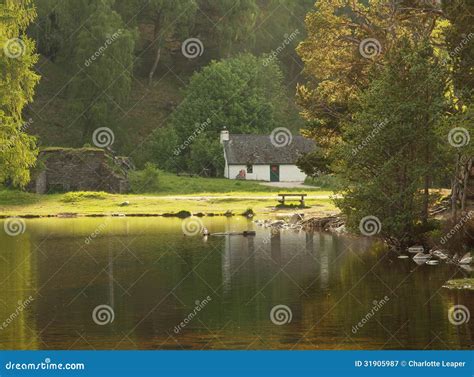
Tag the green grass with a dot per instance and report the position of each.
(72, 197)
(207, 195)
(324, 181)
(172, 184)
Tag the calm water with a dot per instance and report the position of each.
(154, 278)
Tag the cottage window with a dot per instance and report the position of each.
(249, 169)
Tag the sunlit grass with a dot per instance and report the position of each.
(198, 194)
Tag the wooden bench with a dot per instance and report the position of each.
(283, 197)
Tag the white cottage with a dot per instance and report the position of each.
(255, 157)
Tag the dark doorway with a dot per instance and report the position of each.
(274, 173)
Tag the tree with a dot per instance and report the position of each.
(46, 31)
(280, 30)
(17, 82)
(394, 142)
(244, 94)
(460, 44)
(170, 19)
(346, 39)
(228, 25)
(314, 164)
(103, 52)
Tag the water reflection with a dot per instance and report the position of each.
(154, 277)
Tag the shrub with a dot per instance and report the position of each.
(77, 196)
(327, 181)
(146, 180)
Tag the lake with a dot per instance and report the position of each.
(139, 283)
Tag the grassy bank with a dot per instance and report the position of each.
(172, 184)
(176, 193)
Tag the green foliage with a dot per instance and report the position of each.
(206, 157)
(325, 181)
(337, 64)
(103, 49)
(226, 29)
(228, 25)
(16, 197)
(17, 82)
(160, 149)
(314, 164)
(244, 94)
(386, 171)
(170, 20)
(77, 196)
(460, 42)
(146, 180)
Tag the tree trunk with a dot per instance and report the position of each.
(155, 63)
(454, 193)
(467, 172)
(426, 199)
(158, 41)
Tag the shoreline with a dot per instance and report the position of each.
(96, 204)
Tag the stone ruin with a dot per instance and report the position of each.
(81, 169)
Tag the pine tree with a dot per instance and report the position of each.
(394, 143)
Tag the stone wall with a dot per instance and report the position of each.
(83, 169)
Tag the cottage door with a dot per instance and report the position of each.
(274, 173)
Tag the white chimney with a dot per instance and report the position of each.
(224, 135)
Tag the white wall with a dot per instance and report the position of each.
(288, 173)
(260, 172)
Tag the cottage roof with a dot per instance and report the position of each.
(259, 149)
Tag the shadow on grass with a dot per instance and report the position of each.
(291, 206)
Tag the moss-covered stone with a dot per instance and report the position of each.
(78, 169)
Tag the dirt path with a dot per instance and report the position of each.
(227, 197)
(287, 185)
